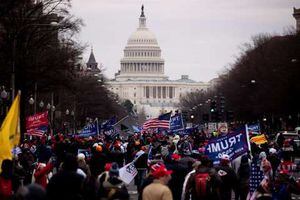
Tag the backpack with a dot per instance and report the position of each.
(203, 185)
(5, 187)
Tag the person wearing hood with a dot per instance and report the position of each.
(243, 175)
(67, 183)
(274, 160)
(111, 186)
(228, 177)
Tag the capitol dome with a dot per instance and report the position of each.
(142, 36)
(142, 56)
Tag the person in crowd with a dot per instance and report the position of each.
(41, 172)
(243, 175)
(177, 178)
(284, 186)
(228, 177)
(158, 189)
(195, 166)
(141, 164)
(287, 164)
(66, 184)
(83, 166)
(31, 192)
(204, 184)
(264, 189)
(6, 180)
(274, 160)
(111, 186)
(149, 178)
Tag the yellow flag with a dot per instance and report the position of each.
(260, 139)
(10, 130)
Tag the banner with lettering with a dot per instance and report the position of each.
(234, 144)
(128, 172)
(253, 129)
(37, 120)
(88, 130)
(176, 122)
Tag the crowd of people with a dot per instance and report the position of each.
(168, 167)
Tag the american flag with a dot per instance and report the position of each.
(39, 132)
(163, 121)
(256, 176)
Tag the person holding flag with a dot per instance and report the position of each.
(9, 138)
(10, 130)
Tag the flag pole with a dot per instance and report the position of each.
(248, 138)
(121, 120)
(97, 124)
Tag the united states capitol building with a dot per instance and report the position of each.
(142, 80)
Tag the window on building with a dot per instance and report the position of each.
(134, 94)
(159, 92)
(147, 92)
(154, 92)
(164, 92)
(170, 92)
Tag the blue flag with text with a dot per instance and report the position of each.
(234, 144)
(88, 130)
(254, 129)
(176, 122)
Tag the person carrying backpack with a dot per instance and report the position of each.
(204, 184)
(111, 186)
(228, 177)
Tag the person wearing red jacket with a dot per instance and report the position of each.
(41, 173)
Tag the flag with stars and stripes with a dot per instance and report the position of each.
(163, 121)
(256, 176)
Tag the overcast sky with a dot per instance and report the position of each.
(197, 37)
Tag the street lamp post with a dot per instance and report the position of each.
(51, 109)
(31, 101)
(4, 98)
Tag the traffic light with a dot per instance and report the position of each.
(222, 104)
(213, 106)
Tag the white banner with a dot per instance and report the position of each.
(128, 172)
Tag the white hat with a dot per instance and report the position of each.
(80, 156)
(272, 151)
(95, 144)
(176, 138)
(262, 155)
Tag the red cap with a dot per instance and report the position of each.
(107, 166)
(176, 156)
(161, 172)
